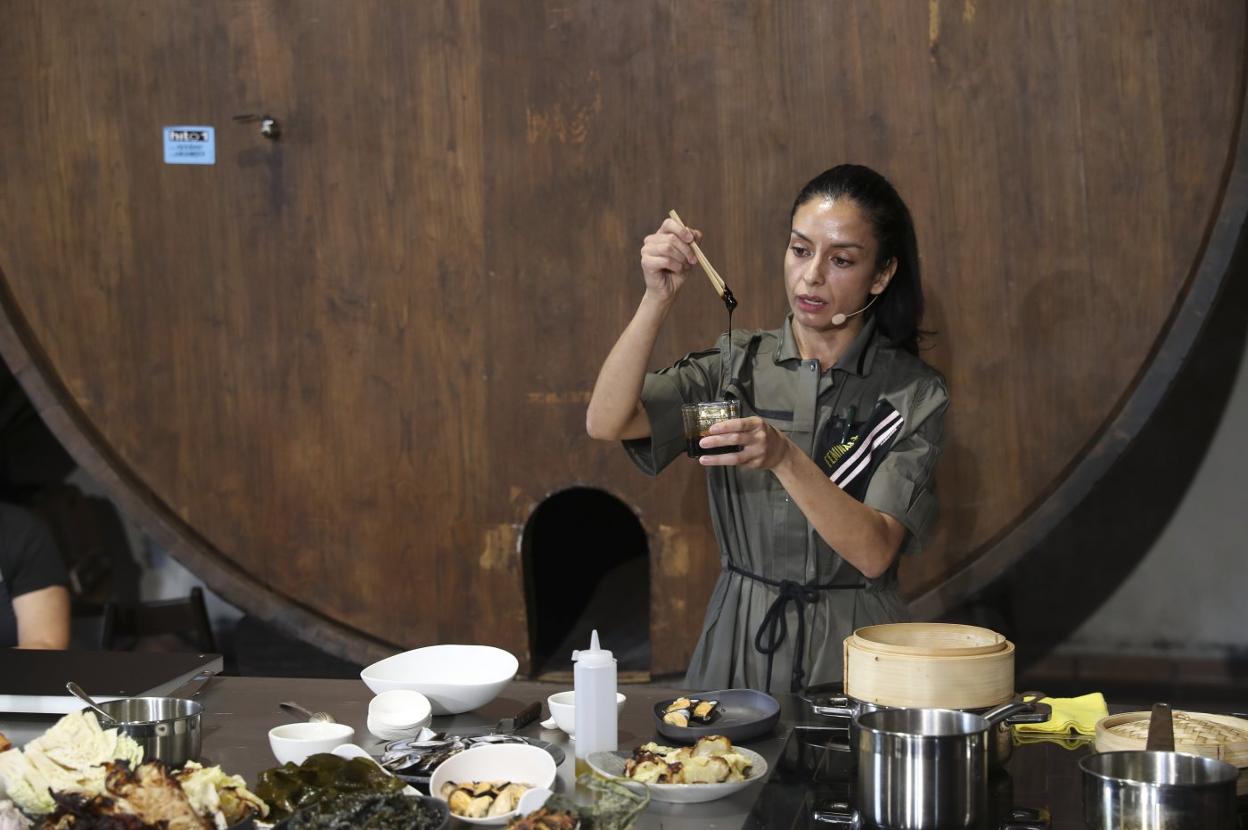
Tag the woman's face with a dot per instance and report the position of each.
(829, 267)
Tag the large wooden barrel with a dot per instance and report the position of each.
(337, 371)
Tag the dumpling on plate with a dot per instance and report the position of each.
(704, 769)
(712, 745)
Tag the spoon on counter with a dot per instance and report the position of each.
(313, 717)
(76, 690)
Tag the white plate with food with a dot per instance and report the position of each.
(709, 770)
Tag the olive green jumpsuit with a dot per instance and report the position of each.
(785, 601)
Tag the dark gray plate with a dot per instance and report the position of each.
(743, 714)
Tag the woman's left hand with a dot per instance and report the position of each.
(762, 445)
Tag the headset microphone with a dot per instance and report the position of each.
(839, 319)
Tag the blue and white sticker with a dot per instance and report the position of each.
(190, 145)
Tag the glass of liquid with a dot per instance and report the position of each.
(698, 419)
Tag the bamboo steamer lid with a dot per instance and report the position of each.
(930, 639)
(1200, 733)
(929, 665)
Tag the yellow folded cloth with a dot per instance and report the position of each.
(1071, 740)
(1070, 714)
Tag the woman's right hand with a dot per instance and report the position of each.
(666, 256)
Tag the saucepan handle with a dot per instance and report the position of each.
(837, 814)
(834, 706)
(1025, 818)
(1040, 714)
(1012, 710)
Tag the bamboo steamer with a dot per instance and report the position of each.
(943, 639)
(1200, 733)
(929, 665)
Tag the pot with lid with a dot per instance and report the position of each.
(932, 666)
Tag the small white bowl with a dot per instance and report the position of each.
(518, 763)
(385, 733)
(454, 678)
(294, 742)
(398, 713)
(563, 709)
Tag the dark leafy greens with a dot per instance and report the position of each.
(370, 811)
(290, 787)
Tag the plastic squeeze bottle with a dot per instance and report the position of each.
(593, 680)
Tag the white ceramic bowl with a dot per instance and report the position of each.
(563, 709)
(519, 763)
(386, 733)
(398, 713)
(294, 742)
(454, 678)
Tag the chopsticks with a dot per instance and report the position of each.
(716, 280)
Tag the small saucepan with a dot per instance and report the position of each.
(170, 729)
(1157, 788)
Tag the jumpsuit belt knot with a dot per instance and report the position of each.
(774, 628)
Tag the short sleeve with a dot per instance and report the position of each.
(903, 486)
(695, 377)
(31, 560)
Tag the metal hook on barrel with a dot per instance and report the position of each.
(269, 126)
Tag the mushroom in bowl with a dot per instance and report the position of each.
(483, 785)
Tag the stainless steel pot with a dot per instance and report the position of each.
(923, 769)
(1157, 788)
(169, 729)
(920, 769)
(1144, 790)
(1001, 743)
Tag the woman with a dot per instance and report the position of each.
(840, 431)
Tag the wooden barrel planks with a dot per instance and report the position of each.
(336, 372)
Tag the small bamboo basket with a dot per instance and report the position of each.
(929, 665)
(1215, 736)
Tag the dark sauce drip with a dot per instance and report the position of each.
(692, 446)
(730, 302)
